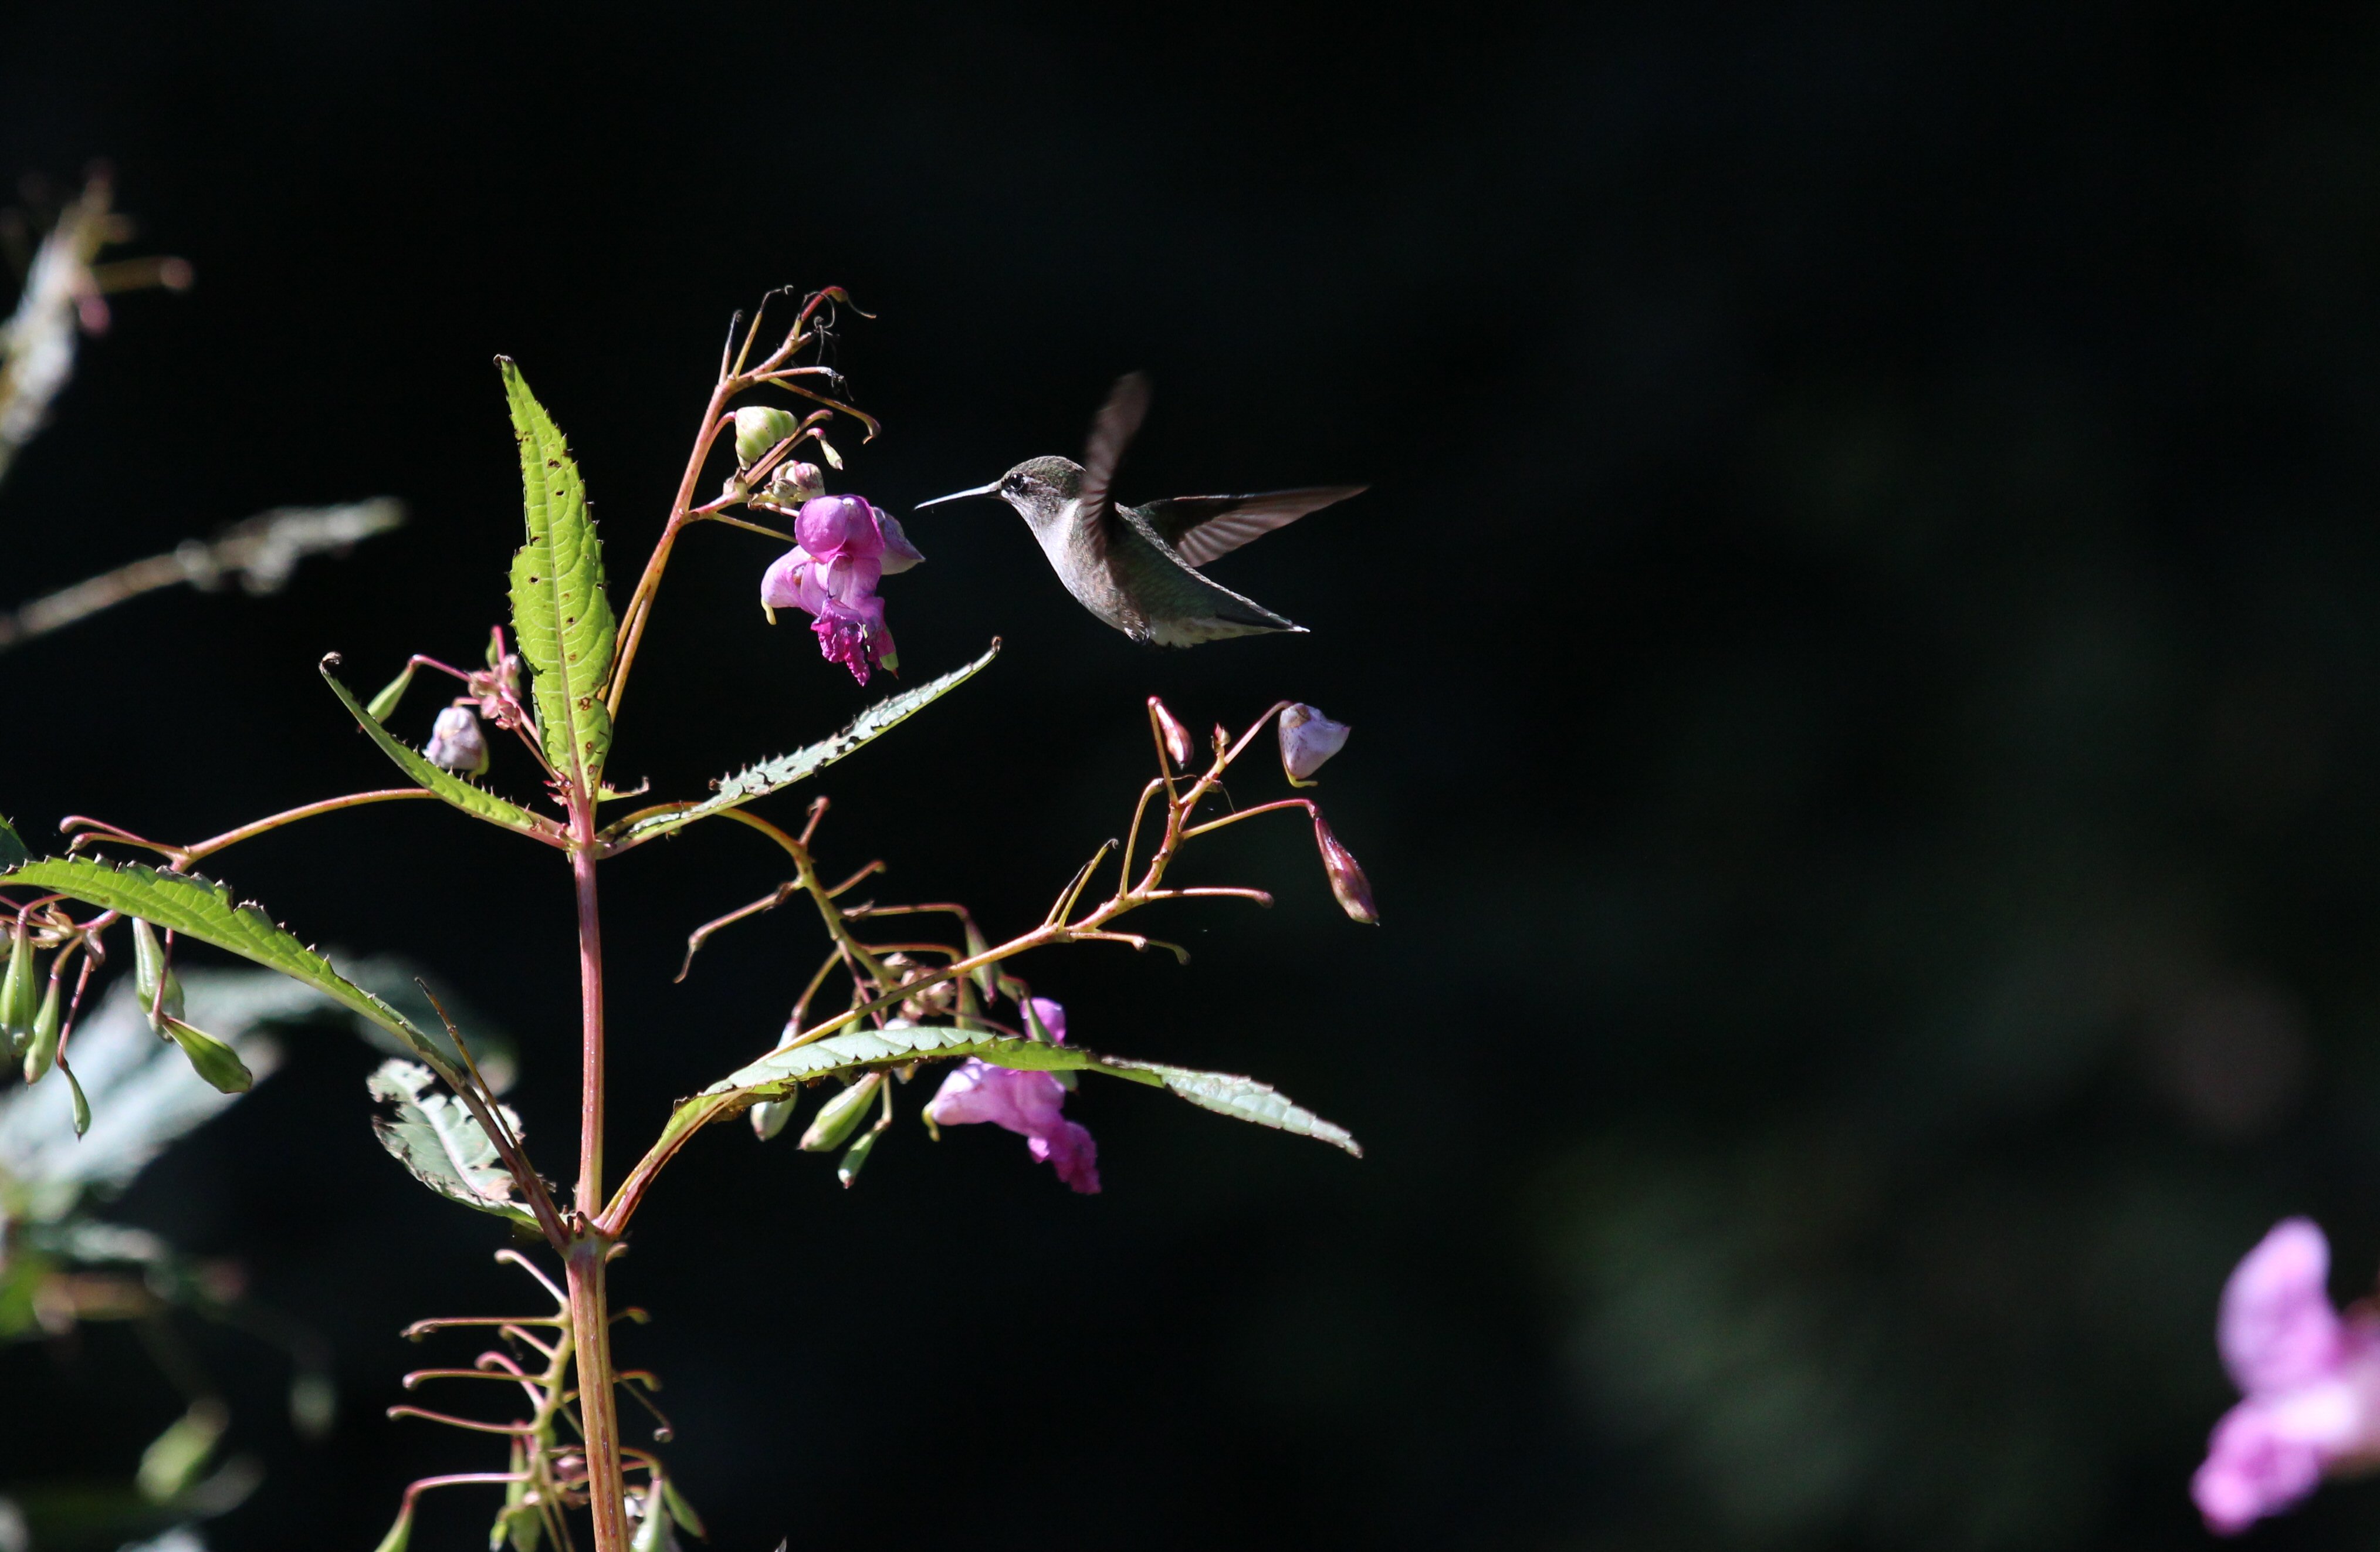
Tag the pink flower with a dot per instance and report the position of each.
(854, 635)
(2311, 1381)
(1029, 1104)
(847, 546)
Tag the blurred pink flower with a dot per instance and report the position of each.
(1029, 1104)
(2311, 1381)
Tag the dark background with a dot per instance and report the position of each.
(1863, 653)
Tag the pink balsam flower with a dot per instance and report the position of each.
(2309, 1380)
(847, 546)
(1028, 1103)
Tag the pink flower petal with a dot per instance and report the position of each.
(2276, 1328)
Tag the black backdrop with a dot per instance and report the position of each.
(1860, 647)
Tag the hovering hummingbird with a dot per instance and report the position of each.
(1136, 567)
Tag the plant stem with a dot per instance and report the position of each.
(591, 1315)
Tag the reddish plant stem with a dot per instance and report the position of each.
(590, 1316)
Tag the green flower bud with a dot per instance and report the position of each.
(839, 1115)
(856, 1156)
(770, 1115)
(390, 693)
(211, 1059)
(44, 1047)
(757, 429)
(148, 965)
(81, 1106)
(21, 994)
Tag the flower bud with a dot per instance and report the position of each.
(148, 965)
(456, 743)
(1353, 890)
(21, 994)
(44, 1049)
(211, 1059)
(836, 1119)
(794, 482)
(759, 428)
(770, 1115)
(1177, 737)
(1307, 739)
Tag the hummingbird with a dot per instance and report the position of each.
(1136, 567)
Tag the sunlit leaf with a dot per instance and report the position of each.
(855, 1051)
(12, 849)
(473, 799)
(436, 1137)
(199, 909)
(770, 776)
(561, 618)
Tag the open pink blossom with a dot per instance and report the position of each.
(1029, 1104)
(2311, 1380)
(847, 546)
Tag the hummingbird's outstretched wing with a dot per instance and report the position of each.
(1202, 527)
(1111, 431)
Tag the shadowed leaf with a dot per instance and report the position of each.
(436, 1137)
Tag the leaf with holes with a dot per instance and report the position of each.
(435, 1136)
(198, 908)
(561, 618)
(770, 776)
(473, 799)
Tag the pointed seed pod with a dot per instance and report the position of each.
(855, 1157)
(838, 1116)
(211, 1059)
(1348, 884)
(400, 1535)
(21, 994)
(81, 1106)
(148, 965)
(757, 429)
(44, 1050)
(1169, 727)
(1307, 739)
(380, 705)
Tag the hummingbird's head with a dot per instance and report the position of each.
(1039, 489)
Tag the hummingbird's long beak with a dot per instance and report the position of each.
(990, 489)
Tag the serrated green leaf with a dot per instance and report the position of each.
(770, 776)
(477, 801)
(199, 908)
(854, 1051)
(561, 618)
(436, 1137)
(12, 848)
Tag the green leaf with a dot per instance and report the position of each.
(198, 908)
(561, 618)
(777, 1074)
(770, 776)
(436, 1137)
(475, 800)
(12, 849)
(682, 1510)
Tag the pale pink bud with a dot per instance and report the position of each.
(456, 743)
(1307, 739)
(1348, 884)
(1177, 737)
